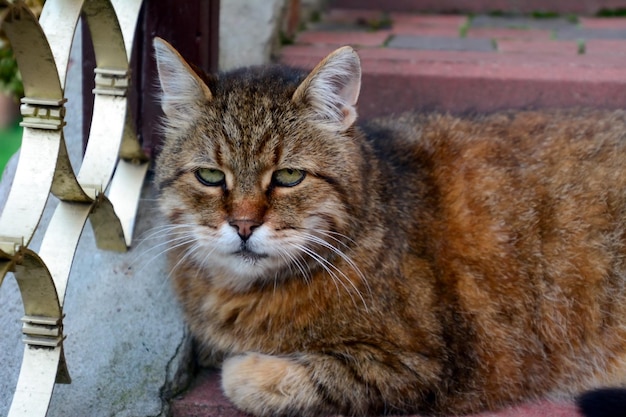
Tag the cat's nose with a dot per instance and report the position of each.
(244, 227)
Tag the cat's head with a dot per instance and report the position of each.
(260, 172)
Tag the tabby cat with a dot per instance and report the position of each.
(418, 264)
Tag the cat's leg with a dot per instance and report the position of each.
(318, 384)
(266, 385)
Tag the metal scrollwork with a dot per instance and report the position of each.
(105, 190)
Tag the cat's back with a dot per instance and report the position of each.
(523, 219)
(525, 173)
(513, 139)
(508, 162)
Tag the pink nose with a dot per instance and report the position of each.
(244, 227)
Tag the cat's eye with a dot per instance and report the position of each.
(288, 177)
(210, 177)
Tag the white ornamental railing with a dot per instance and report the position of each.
(105, 190)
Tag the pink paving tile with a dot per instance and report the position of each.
(352, 15)
(535, 46)
(487, 86)
(504, 33)
(603, 22)
(416, 30)
(385, 56)
(438, 43)
(484, 6)
(449, 21)
(355, 38)
(542, 409)
(205, 399)
(606, 47)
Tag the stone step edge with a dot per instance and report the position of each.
(482, 6)
(459, 82)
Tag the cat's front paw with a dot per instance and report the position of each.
(266, 385)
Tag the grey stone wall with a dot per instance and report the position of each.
(249, 30)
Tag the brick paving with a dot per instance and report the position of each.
(583, 7)
(483, 63)
(459, 64)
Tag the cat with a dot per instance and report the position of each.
(424, 263)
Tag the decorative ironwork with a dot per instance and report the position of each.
(105, 190)
(42, 114)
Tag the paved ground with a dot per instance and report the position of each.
(458, 64)
(584, 7)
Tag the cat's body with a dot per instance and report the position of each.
(420, 264)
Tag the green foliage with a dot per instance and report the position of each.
(618, 12)
(10, 140)
(316, 16)
(382, 22)
(539, 14)
(464, 28)
(10, 79)
(285, 39)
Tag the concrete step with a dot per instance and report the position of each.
(459, 64)
(204, 399)
(584, 7)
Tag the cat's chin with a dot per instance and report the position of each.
(250, 256)
(241, 270)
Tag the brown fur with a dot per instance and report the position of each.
(482, 259)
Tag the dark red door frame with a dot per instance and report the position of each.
(191, 26)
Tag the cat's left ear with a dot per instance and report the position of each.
(332, 89)
(182, 89)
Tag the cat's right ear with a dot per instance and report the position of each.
(181, 87)
(332, 89)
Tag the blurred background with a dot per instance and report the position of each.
(11, 90)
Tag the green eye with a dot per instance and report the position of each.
(210, 177)
(288, 177)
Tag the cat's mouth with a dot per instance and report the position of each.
(247, 255)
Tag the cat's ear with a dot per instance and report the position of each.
(181, 87)
(331, 90)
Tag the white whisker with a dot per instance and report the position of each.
(322, 262)
(174, 237)
(315, 239)
(292, 260)
(333, 270)
(188, 252)
(164, 231)
(340, 239)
